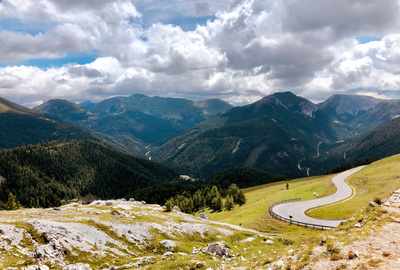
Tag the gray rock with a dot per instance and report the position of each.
(357, 225)
(250, 239)
(176, 209)
(51, 252)
(143, 202)
(217, 249)
(131, 199)
(78, 266)
(168, 244)
(166, 254)
(57, 209)
(108, 203)
(164, 207)
(203, 215)
(38, 267)
(372, 204)
(269, 242)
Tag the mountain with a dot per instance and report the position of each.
(88, 105)
(22, 126)
(150, 120)
(63, 109)
(274, 134)
(346, 108)
(383, 112)
(46, 174)
(378, 143)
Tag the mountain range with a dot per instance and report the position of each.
(282, 134)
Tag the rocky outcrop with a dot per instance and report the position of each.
(52, 252)
(78, 266)
(203, 216)
(38, 267)
(168, 244)
(217, 249)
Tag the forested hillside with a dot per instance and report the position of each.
(47, 174)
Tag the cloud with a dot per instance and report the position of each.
(245, 50)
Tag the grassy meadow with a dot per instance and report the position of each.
(376, 180)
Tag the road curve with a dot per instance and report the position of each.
(297, 209)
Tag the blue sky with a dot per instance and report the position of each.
(236, 50)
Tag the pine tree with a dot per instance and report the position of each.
(229, 203)
(12, 203)
(241, 199)
(170, 204)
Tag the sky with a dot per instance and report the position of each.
(235, 50)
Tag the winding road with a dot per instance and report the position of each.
(297, 209)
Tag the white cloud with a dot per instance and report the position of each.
(251, 49)
(374, 95)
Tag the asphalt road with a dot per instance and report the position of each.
(297, 209)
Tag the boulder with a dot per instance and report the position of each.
(168, 244)
(78, 266)
(131, 199)
(108, 203)
(166, 254)
(372, 204)
(51, 252)
(176, 209)
(57, 209)
(143, 202)
(203, 215)
(217, 249)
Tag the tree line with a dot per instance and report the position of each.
(207, 197)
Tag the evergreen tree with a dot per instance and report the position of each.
(241, 199)
(12, 203)
(217, 205)
(229, 203)
(170, 204)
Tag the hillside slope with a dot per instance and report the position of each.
(48, 174)
(22, 126)
(150, 120)
(273, 134)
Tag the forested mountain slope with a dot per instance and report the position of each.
(46, 174)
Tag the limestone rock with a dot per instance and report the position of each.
(250, 239)
(51, 252)
(38, 267)
(176, 209)
(78, 266)
(168, 244)
(203, 215)
(372, 204)
(166, 254)
(217, 249)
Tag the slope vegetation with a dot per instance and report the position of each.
(49, 174)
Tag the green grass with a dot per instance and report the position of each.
(259, 198)
(377, 180)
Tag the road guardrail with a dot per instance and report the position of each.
(290, 220)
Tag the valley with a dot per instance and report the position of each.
(79, 166)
